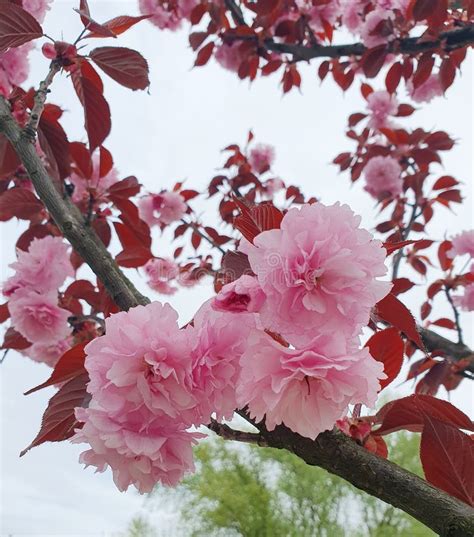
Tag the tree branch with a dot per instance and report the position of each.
(456, 351)
(68, 218)
(342, 456)
(457, 320)
(227, 433)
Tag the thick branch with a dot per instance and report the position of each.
(456, 351)
(68, 218)
(340, 455)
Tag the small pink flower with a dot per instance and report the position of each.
(462, 244)
(381, 105)
(272, 186)
(143, 360)
(95, 182)
(383, 177)
(44, 267)
(162, 209)
(319, 273)
(220, 339)
(427, 91)
(38, 317)
(37, 8)
(160, 273)
(306, 389)
(373, 31)
(261, 157)
(324, 11)
(139, 451)
(164, 18)
(229, 56)
(14, 68)
(352, 15)
(48, 353)
(466, 301)
(243, 294)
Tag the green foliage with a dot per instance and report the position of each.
(244, 491)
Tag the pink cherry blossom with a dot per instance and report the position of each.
(43, 268)
(14, 68)
(37, 8)
(306, 389)
(371, 31)
(462, 244)
(352, 15)
(427, 91)
(243, 294)
(466, 300)
(383, 177)
(160, 273)
(143, 360)
(48, 353)
(381, 105)
(95, 182)
(272, 186)
(37, 317)
(169, 19)
(261, 157)
(325, 11)
(162, 209)
(319, 272)
(229, 56)
(139, 452)
(220, 339)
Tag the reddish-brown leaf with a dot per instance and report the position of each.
(37, 231)
(82, 159)
(14, 340)
(447, 457)
(373, 60)
(70, 365)
(119, 25)
(17, 26)
(9, 160)
(253, 220)
(126, 66)
(394, 246)
(53, 141)
(58, 421)
(387, 347)
(19, 202)
(93, 25)
(422, 9)
(391, 310)
(4, 313)
(401, 285)
(445, 261)
(124, 189)
(393, 77)
(410, 412)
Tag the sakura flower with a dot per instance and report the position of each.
(220, 339)
(82, 185)
(143, 360)
(37, 8)
(38, 317)
(462, 244)
(381, 105)
(466, 301)
(169, 19)
(44, 267)
(318, 14)
(306, 389)
(160, 273)
(243, 294)
(319, 272)
(262, 157)
(427, 91)
(139, 452)
(272, 186)
(352, 15)
(229, 56)
(376, 29)
(162, 209)
(14, 67)
(48, 353)
(383, 177)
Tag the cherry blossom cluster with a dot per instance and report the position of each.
(33, 298)
(462, 246)
(282, 341)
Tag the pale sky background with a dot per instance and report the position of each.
(176, 132)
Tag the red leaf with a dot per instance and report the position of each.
(106, 162)
(9, 160)
(4, 313)
(253, 220)
(126, 66)
(410, 412)
(70, 365)
(38, 231)
(53, 141)
(445, 261)
(124, 189)
(401, 285)
(391, 310)
(82, 158)
(119, 25)
(93, 25)
(445, 182)
(405, 110)
(394, 246)
(373, 60)
(17, 26)
(393, 77)
(96, 113)
(19, 202)
(447, 73)
(58, 421)
(14, 340)
(204, 55)
(447, 456)
(422, 9)
(387, 347)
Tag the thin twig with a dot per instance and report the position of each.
(77, 319)
(227, 433)
(196, 229)
(405, 232)
(31, 127)
(457, 320)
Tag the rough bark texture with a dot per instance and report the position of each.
(333, 451)
(68, 218)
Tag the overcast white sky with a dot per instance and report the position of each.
(176, 132)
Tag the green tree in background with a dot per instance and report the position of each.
(244, 491)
